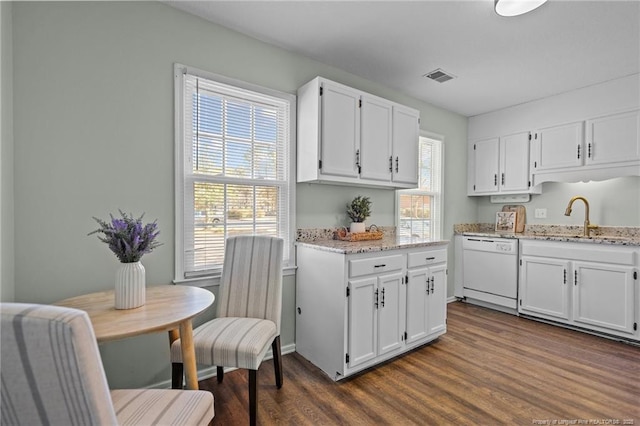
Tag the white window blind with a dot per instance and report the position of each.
(236, 169)
(419, 210)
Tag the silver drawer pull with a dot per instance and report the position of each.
(430, 258)
(379, 266)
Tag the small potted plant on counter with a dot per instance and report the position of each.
(359, 210)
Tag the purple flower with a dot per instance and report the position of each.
(127, 238)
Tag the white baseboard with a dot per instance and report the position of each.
(208, 372)
(452, 299)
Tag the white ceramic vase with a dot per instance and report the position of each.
(130, 286)
(357, 227)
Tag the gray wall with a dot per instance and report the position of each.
(7, 284)
(93, 130)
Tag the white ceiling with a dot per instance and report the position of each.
(498, 62)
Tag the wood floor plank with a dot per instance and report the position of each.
(490, 368)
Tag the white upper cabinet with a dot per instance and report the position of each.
(376, 124)
(614, 138)
(405, 145)
(500, 165)
(595, 149)
(559, 147)
(340, 130)
(486, 160)
(588, 134)
(514, 163)
(346, 136)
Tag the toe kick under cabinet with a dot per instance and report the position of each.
(357, 310)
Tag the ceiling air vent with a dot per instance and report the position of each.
(439, 76)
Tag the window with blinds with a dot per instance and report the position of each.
(419, 209)
(235, 149)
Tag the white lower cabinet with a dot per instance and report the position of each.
(543, 287)
(581, 285)
(357, 310)
(603, 296)
(426, 302)
(374, 317)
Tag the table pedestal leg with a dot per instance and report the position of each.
(188, 355)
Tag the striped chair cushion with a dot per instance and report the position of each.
(230, 342)
(51, 368)
(162, 407)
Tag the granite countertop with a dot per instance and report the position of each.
(610, 235)
(322, 239)
(387, 243)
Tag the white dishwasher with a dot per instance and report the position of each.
(490, 271)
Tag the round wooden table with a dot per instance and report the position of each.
(167, 308)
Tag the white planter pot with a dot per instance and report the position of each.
(357, 227)
(130, 286)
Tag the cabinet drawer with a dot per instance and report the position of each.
(428, 257)
(375, 265)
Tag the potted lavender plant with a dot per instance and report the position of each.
(129, 240)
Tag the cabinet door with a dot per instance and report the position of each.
(514, 162)
(437, 300)
(603, 296)
(340, 130)
(362, 320)
(375, 139)
(559, 147)
(544, 287)
(614, 139)
(405, 145)
(416, 322)
(390, 322)
(486, 153)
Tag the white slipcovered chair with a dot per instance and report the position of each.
(51, 373)
(249, 307)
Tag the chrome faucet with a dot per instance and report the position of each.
(587, 225)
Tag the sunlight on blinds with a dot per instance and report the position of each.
(236, 169)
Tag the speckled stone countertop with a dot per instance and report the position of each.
(322, 239)
(612, 235)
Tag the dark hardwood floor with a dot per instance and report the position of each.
(490, 368)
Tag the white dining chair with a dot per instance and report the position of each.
(249, 307)
(52, 374)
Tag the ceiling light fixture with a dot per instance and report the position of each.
(516, 7)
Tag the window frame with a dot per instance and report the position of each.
(179, 168)
(437, 197)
